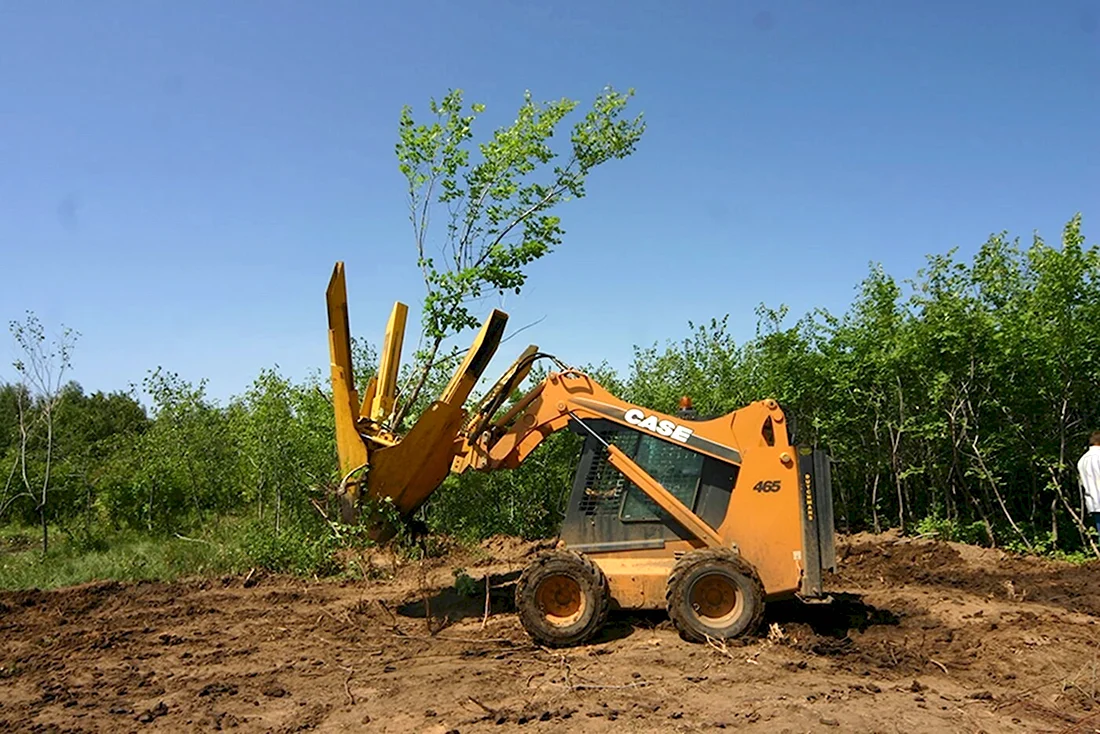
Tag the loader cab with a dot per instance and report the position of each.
(608, 512)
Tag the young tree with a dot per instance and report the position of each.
(42, 379)
(497, 210)
(285, 449)
(188, 461)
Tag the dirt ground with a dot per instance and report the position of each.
(922, 636)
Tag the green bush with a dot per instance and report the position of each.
(292, 550)
(973, 533)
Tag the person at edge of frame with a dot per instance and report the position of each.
(1088, 472)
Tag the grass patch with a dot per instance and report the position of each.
(125, 556)
(228, 546)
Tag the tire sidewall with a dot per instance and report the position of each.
(593, 588)
(689, 623)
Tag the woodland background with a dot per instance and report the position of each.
(953, 402)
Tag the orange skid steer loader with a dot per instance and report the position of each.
(707, 519)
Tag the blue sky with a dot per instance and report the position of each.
(177, 179)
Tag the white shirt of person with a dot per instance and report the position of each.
(1088, 470)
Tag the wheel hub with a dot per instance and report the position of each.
(560, 599)
(715, 599)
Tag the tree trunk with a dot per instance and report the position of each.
(1054, 523)
(997, 493)
(874, 504)
(46, 482)
(984, 517)
(1077, 519)
(406, 404)
(149, 516)
(874, 488)
(895, 468)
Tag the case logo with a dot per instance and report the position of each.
(665, 428)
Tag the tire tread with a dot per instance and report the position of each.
(674, 589)
(568, 561)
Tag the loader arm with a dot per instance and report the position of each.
(572, 396)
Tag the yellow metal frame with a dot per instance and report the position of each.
(388, 363)
(345, 402)
(405, 469)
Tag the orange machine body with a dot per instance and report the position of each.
(650, 487)
(764, 518)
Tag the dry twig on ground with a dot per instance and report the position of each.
(347, 685)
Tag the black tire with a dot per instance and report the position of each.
(562, 598)
(714, 593)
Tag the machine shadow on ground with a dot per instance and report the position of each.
(469, 603)
(845, 613)
(450, 605)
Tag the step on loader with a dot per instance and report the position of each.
(708, 519)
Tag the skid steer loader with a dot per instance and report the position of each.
(705, 518)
